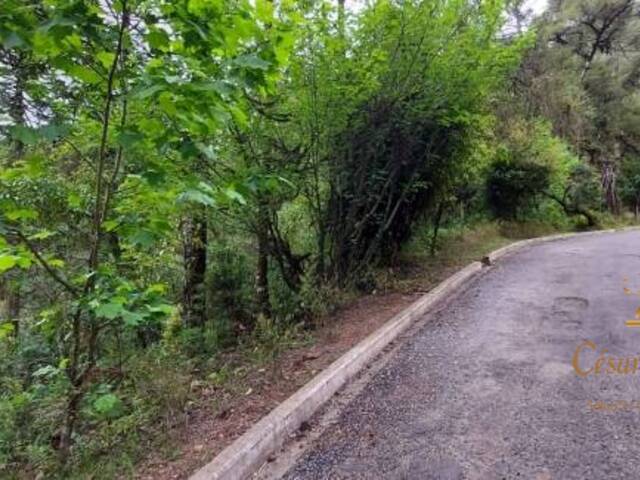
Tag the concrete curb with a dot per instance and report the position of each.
(244, 456)
(513, 247)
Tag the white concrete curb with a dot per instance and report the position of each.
(512, 247)
(244, 456)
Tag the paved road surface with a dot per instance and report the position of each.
(486, 388)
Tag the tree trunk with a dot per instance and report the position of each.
(341, 23)
(13, 308)
(609, 187)
(573, 209)
(11, 301)
(262, 267)
(17, 104)
(320, 262)
(10, 284)
(195, 266)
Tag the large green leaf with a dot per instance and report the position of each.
(253, 61)
(7, 262)
(108, 406)
(109, 310)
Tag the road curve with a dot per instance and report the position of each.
(487, 388)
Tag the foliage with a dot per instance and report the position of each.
(630, 185)
(185, 178)
(421, 128)
(513, 188)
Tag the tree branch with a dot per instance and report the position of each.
(50, 270)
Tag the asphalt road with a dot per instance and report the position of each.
(486, 388)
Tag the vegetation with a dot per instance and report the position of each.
(190, 177)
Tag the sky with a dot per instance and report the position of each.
(537, 6)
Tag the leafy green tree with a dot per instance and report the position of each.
(602, 38)
(140, 90)
(405, 140)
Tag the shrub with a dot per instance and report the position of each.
(513, 188)
(630, 184)
(230, 291)
(584, 188)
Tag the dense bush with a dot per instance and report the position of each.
(514, 188)
(630, 184)
(229, 286)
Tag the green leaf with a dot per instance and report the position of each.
(252, 61)
(106, 58)
(143, 238)
(172, 79)
(74, 40)
(205, 187)
(13, 40)
(163, 308)
(264, 10)
(152, 127)
(200, 7)
(160, 288)
(34, 165)
(56, 262)
(147, 92)
(109, 310)
(31, 136)
(196, 196)
(132, 319)
(74, 200)
(108, 406)
(158, 39)
(24, 262)
(84, 74)
(21, 214)
(47, 371)
(110, 225)
(234, 195)
(58, 22)
(53, 132)
(129, 138)
(41, 235)
(6, 329)
(26, 135)
(165, 100)
(221, 88)
(239, 116)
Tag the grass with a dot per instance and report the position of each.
(457, 246)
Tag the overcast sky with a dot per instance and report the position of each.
(538, 6)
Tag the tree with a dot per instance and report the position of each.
(603, 36)
(138, 90)
(403, 138)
